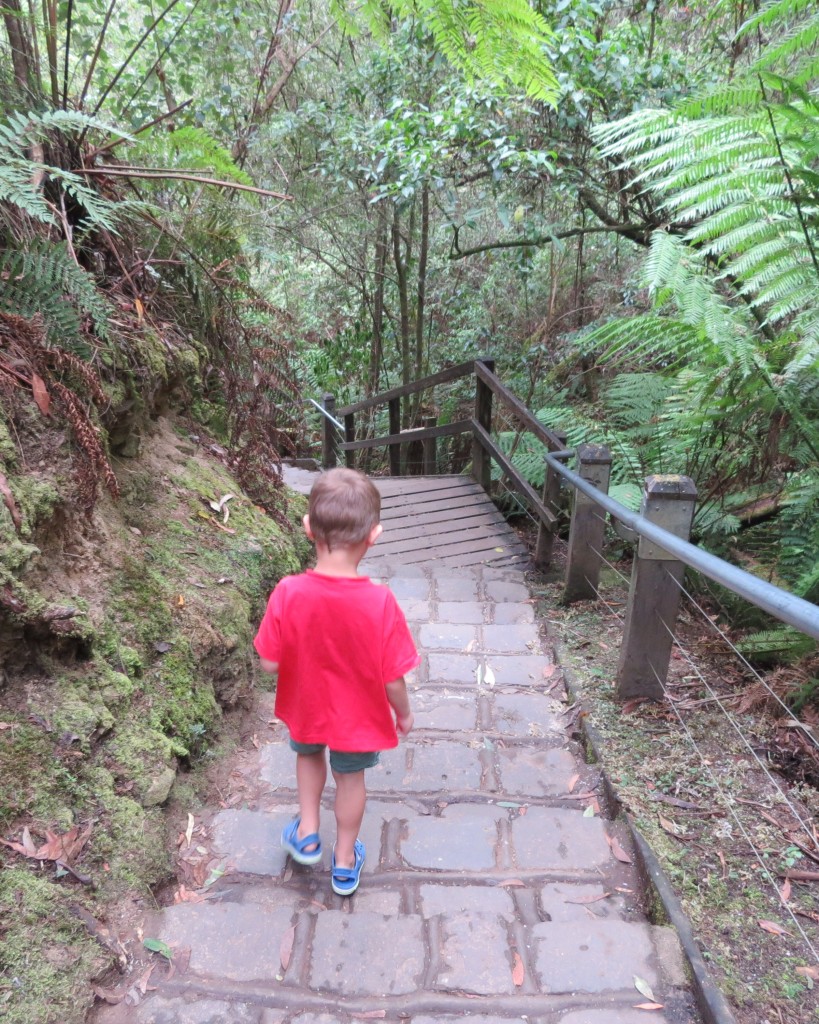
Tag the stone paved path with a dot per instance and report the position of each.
(489, 889)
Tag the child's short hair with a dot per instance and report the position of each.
(344, 507)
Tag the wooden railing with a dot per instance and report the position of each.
(660, 531)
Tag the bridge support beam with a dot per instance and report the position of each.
(546, 533)
(481, 460)
(655, 595)
(587, 526)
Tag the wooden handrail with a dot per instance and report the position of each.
(417, 434)
(519, 410)
(509, 469)
(451, 373)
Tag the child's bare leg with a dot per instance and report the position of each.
(351, 799)
(311, 774)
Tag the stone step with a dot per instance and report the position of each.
(353, 952)
(459, 837)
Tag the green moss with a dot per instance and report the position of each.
(132, 842)
(45, 969)
(25, 750)
(8, 449)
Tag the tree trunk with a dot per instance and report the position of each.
(377, 346)
(401, 260)
(22, 57)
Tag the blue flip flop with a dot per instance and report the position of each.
(297, 848)
(345, 880)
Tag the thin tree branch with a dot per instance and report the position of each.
(456, 253)
(97, 52)
(137, 172)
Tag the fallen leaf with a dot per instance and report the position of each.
(810, 974)
(145, 977)
(139, 308)
(489, 676)
(10, 503)
(583, 900)
(648, 1006)
(549, 671)
(180, 601)
(510, 882)
(669, 826)
(589, 811)
(632, 705)
(785, 891)
(286, 947)
(189, 829)
(41, 395)
(112, 996)
(773, 928)
(573, 782)
(644, 988)
(518, 971)
(618, 851)
(185, 895)
(158, 946)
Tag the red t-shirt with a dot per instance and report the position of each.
(338, 641)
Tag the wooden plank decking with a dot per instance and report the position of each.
(440, 520)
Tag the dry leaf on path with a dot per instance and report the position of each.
(286, 947)
(617, 850)
(810, 974)
(582, 900)
(773, 928)
(644, 988)
(648, 1006)
(785, 891)
(511, 881)
(41, 395)
(573, 782)
(518, 971)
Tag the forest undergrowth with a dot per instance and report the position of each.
(719, 782)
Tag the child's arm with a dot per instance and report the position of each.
(268, 666)
(399, 702)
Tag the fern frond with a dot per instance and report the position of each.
(45, 279)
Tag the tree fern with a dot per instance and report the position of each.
(19, 172)
(45, 279)
(189, 147)
(493, 40)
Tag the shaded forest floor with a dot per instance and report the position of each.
(716, 781)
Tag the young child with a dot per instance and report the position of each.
(341, 646)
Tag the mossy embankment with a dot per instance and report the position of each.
(125, 640)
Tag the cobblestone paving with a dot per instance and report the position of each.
(490, 890)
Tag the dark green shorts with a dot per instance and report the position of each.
(341, 761)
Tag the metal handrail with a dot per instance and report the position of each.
(786, 607)
(324, 412)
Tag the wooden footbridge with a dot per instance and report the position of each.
(435, 517)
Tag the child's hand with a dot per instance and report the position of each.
(404, 723)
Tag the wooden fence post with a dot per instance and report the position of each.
(395, 428)
(481, 462)
(349, 435)
(587, 526)
(654, 599)
(329, 446)
(430, 466)
(551, 495)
